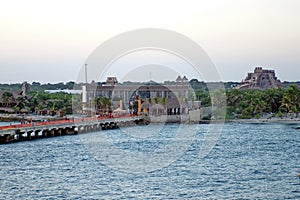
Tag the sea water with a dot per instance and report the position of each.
(239, 161)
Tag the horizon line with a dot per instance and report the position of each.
(64, 82)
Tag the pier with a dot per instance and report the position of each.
(38, 130)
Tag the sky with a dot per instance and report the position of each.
(50, 40)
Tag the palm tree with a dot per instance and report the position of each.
(7, 98)
(285, 103)
(156, 100)
(258, 107)
(272, 98)
(150, 100)
(291, 100)
(233, 97)
(106, 103)
(21, 101)
(97, 102)
(163, 101)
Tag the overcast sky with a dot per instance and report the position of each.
(49, 41)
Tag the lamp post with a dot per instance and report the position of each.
(90, 100)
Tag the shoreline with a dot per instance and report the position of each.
(266, 121)
(284, 120)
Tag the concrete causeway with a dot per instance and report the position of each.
(37, 130)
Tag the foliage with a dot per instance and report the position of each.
(203, 96)
(240, 103)
(255, 103)
(7, 98)
(60, 101)
(163, 101)
(36, 102)
(103, 103)
(156, 100)
(36, 86)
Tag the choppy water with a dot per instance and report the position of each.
(249, 161)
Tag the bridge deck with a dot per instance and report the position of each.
(14, 133)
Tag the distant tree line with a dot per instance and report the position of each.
(40, 102)
(36, 86)
(240, 103)
(256, 103)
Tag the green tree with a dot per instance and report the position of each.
(7, 98)
(272, 98)
(103, 103)
(218, 98)
(163, 101)
(291, 100)
(203, 96)
(21, 102)
(156, 100)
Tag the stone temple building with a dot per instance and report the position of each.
(260, 79)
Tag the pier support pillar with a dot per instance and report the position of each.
(52, 132)
(59, 132)
(6, 139)
(45, 133)
(63, 131)
(36, 133)
(29, 135)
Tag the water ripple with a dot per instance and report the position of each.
(248, 162)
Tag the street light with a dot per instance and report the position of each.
(90, 100)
